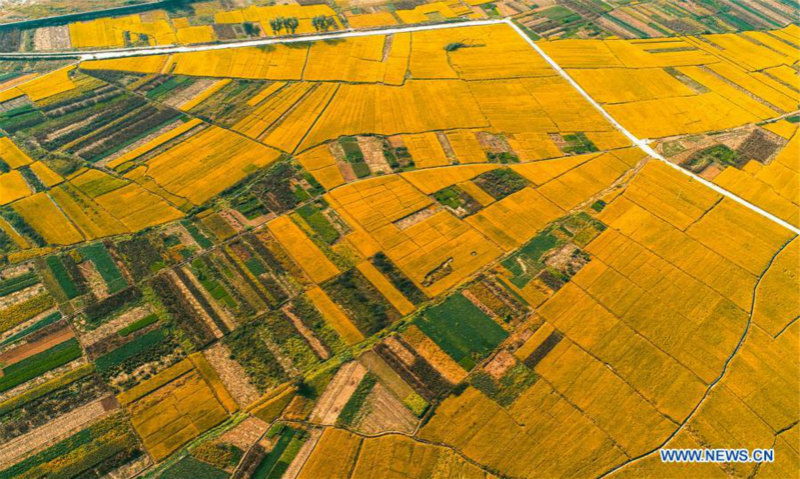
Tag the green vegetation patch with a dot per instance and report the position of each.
(189, 467)
(137, 346)
(525, 263)
(98, 254)
(316, 219)
(17, 283)
(462, 330)
(40, 363)
(354, 156)
(500, 182)
(561, 14)
(139, 324)
(96, 313)
(578, 143)
(278, 459)
(398, 278)
(505, 391)
(34, 393)
(195, 233)
(350, 410)
(249, 206)
(63, 278)
(720, 154)
(47, 320)
(206, 273)
(249, 349)
(91, 452)
(364, 304)
(142, 257)
(457, 200)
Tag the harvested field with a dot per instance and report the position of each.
(385, 413)
(56, 429)
(231, 374)
(52, 38)
(337, 393)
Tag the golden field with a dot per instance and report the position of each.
(692, 84)
(176, 405)
(670, 319)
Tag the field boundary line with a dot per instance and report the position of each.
(643, 144)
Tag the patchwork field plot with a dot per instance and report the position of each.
(407, 254)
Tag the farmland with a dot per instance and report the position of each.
(400, 253)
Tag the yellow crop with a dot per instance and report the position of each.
(321, 164)
(196, 34)
(154, 143)
(432, 353)
(581, 183)
(305, 253)
(13, 187)
(666, 193)
(47, 176)
(426, 150)
(775, 186)
(45, 218)
(207, 163)
(414, 107)
(386, 288)
(137, 208)
(618, 85)
(289, 131)
(44, 86)
(368, 20)
(179, 408)
(204, 95)
(335, 455)
(142, 64)
(334, 316)
(89, 217)
(430, 181)
(426, 13)
(466, 146)
(516, 218)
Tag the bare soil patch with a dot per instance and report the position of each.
(52, 38)
(231, 374)
(246, 433)
(337, 393)
(384, 412)
(372, 149)
(29, 349)
(58, 428)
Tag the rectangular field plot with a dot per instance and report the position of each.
(462, 330)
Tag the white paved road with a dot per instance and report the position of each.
(643, 144)
(144, 51)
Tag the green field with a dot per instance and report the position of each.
(62, 276)
(12, 285)
(98, 254)
(189, 467)
(131, 349)
(37, 364)
(462, 330)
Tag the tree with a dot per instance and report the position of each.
(291, 23)
(276, 24)
(323, 22)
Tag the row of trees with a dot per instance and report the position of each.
(323, 22)
(320, 23)
(278, 24)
